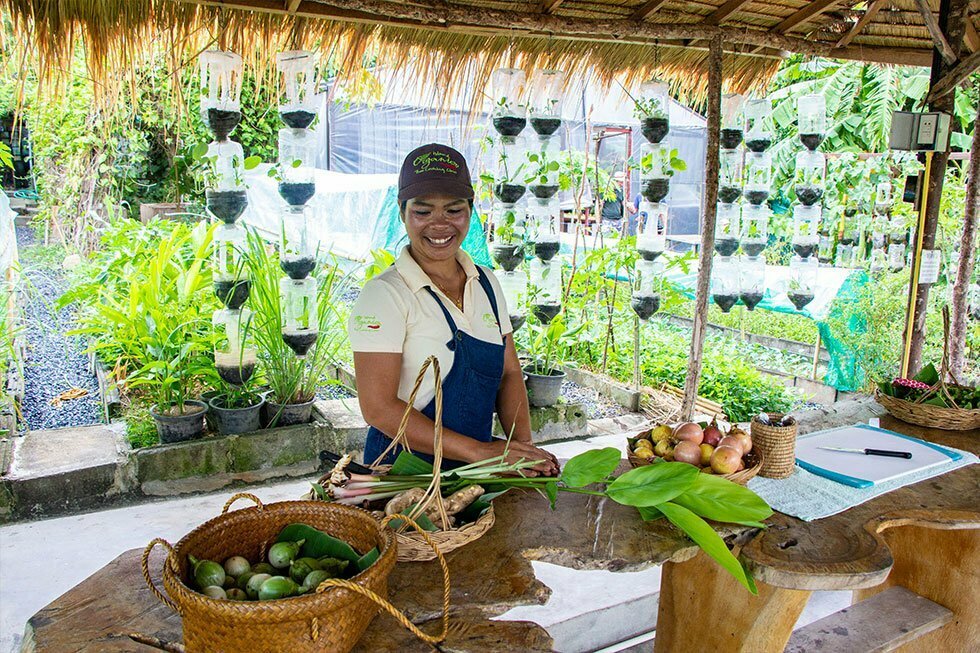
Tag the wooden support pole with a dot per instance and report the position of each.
(956, 76)
(938, 38)
(969, 242)
(711, 162)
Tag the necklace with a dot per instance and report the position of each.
(451, 296)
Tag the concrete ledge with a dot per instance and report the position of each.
(607, 387)
(554, 423)
(818, 392)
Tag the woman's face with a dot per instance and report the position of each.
(436, 225)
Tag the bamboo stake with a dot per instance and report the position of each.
(707, 229)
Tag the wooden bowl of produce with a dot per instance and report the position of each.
(727, 454)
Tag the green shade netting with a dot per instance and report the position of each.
(844, 370)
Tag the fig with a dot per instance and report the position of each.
(662, 448)
(661, 433)
(733, 442)
(725, 460)
(254, 583)
(235, 594)
(283, 553)
(207, 572)
(713, 435)
(706, 451)
(689, 432)
(214, 592)
(235, 566)
(688, 452)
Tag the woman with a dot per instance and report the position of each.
(435, 301)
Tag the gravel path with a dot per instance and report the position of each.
(54, 363)
(596, 406)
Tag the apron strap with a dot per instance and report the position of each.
(449, 318)
(488, 289)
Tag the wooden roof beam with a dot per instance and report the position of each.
(859, 26)
(932, 24)
(548, 6)
(647, 9)
(292, 5)
(971, 37)
(718, 16)
(958, 75)
(812, 9)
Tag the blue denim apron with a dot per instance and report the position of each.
(469, 391)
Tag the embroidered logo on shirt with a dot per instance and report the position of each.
(489, 320)
(366, 323)
(435, 162)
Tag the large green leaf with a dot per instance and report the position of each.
(718, 499)
(590, 467)
(710, 542)
(318, 544)
(653, 484)
(408, 465)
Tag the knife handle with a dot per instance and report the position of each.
(887, 452)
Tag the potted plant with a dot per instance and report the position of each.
(508, 184)
(236, 409)
(651, 109)
(508, 250)
(222, 166)
(657, 165)
(508, 119)
(542, 178)
(548, 346)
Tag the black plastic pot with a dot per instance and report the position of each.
(753, 249)
(183, 427)
(756, 197)
(236, 374)
(546, 250)
(648, 254)
(287, 414)
(517, 321)
(729, 194)
(726, 246)
(800, 299)
(300, 342)
(654, 129)
(508, 193)
(545, 126)
(751, 299)
(545, 313)
(645, 305)
(758, 144)
(236, 420)
(812, 140)
(232, 294)
(725, 302)
(297, 193)
(655, 190)
(297, 119)
(730, 138)
(222, 122)
(804, 251)
(809, 195)
(226, 205)
(543, 191)
(509, 125)
(543, 389)
(508, 255)
(298, 268)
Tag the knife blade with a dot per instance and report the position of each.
(872, 452)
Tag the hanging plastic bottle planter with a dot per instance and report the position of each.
(724, 282)
(758, 177)
(546, 289)
(802, 281)
(883, 198)
(809, 177)
(732, 122)
(509, 178)
(546, 101)
(297, 152)
(655, 171)
(729, 176)
(543, 216)
(812, 120)
(727, 229)
(225, 194)
(652, 109)
(228, 266)
(513, 283)
(755, 228)
(298, 70)
(646, 288)
(758, 133)
(221, 90)
(300, 316)
(234, 356)
(879, 259)
(651, 233)
(542, 167)
(825, 244)
(509, 117)
(752, 280)
(806, 224)
(509, 227)
(297, 247)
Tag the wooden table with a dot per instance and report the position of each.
(891, 539)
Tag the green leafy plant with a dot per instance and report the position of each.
(648, 108)
(665, 163)
(542, 168)
(549, 344)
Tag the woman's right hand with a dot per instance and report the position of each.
(518, 451)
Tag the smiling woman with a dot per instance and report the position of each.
(435, 301)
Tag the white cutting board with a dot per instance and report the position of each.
(859, 470)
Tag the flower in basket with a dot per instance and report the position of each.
(908, 388)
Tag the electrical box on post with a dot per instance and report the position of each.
(919, 132)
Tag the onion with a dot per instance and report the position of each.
(713, 435)
(689, 432)
(733, 442)
(725, 460)
(688, 452)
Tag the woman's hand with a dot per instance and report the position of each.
(517, 451)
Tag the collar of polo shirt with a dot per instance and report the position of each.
(417, 279)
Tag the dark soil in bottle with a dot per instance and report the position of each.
(758, 144)
(645, 306)
(544, 191)
(226, 205)
(897, 239)
(235, 374)
(729, 194)
(756, 197)
(812, 140)
(545, 126)
(850, 213)
(508, 256)
(655, 190)
(298, 268)
(545, 313)
(232, 293)
(726, 246)
(654, 129)
(825, 258)
(300, 342)
(730, 138)
(750, 299)
(725, 302)
(804, 251)
(753, 249)
(297, 193)
(508, 193)
(546, 250)
(222, 122)
(297, 119)
(848, 239)
(800, 299)
(809, 195)
(649, 254)
(517, 321)
(509, 125)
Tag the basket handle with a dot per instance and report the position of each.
(385, 604)
(145, 564)
(242, 495)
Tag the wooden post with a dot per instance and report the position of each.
(700, 323)
(952, 21)
(968, 246)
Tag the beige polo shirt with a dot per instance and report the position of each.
(396, 314)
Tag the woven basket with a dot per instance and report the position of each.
(753, 463)
(937, 417)
(776, 445)
(331, 619)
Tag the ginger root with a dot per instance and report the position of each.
(404, 500)
(458, 501)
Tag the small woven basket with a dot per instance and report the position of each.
(753, 463)
(936, 417)
(331, 619)
(776, 445)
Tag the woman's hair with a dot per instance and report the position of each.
(404, 205)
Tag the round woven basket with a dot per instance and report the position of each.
(937, 417)
(331, 619)
(753, 463)
(776, 445)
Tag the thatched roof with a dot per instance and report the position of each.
(461, 39)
